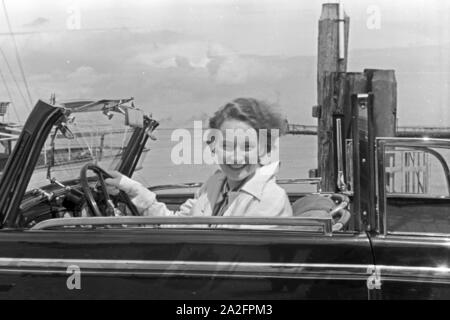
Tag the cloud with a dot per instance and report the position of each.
(170, 74)
(85, 75)
(184, 53)
(231, 70)
(83, 82)
(175, 76)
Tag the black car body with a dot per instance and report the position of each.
(396, 244)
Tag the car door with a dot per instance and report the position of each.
(183, 263)
(165, 263)
(411, 245)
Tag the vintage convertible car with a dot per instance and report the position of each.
(387, 235)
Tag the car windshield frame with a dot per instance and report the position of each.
(25, 155)
(100, 143)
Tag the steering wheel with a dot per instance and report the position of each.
(90, 200)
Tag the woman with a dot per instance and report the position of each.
(242, 186)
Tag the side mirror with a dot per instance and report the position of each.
(65, 131)
(134, 118)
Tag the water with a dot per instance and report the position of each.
(298, 155)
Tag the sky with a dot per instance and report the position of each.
(247, 26)
(181, 60)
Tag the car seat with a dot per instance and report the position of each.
(324, 206)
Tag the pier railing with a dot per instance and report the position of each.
(403, 132)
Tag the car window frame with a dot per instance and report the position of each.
(381, 144)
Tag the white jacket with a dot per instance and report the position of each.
(260, 196)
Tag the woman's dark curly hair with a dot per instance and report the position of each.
(258, 114)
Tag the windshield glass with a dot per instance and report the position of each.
(94, 139)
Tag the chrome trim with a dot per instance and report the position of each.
(411, 241)
(349, 166)
(381, 187)
(340, 183)
(324, 223)
(416, 196)
(189, 268)
(376, 189)
(226, 269)
(430, 141)
(439, 275)
(419, 234)
(362, 95)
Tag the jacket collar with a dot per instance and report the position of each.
(255, 185)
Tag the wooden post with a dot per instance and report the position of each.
(325, 135)
(329, 65)
(384, 87)
(328, 44)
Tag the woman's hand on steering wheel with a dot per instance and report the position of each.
(109, 184)
(116, 182)
(113, 183)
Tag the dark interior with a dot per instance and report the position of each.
(407, 214)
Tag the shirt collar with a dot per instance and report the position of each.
(255, 185)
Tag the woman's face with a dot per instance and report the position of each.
(237, 150)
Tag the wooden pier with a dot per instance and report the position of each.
(403, 132)
(428, 132)
(336, 87)
(302, 129)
